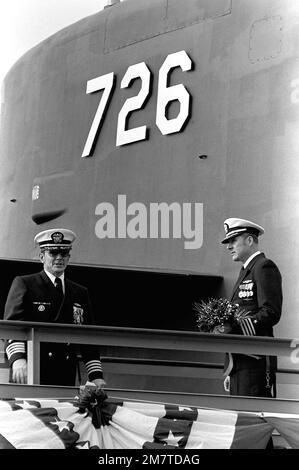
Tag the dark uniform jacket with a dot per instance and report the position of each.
(258, 290)
(34, 298)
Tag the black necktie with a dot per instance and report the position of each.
(58, 286)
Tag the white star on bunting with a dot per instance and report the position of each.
(61, 425)
(173, 440)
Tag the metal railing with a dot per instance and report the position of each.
(35, 333)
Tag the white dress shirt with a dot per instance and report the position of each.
(52, 279)
(250, 258)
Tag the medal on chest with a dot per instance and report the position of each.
(78, 314)
(246, 289)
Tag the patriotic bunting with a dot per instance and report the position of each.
(99, 422)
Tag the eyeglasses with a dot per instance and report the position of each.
(56, 252)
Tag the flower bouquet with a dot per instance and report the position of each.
(218, 315)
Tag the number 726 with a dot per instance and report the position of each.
(166, 94)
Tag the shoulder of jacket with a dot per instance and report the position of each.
(26, 277)
(263, 262)
(75, 285)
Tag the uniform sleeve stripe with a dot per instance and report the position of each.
(247, 327)
(14, 348)
(251, 326)
(93, 366)
(92, 363)
(244, 328)
(93, 371)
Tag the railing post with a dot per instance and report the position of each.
(33, 358)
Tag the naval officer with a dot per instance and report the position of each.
(258, 290)
(49, 296)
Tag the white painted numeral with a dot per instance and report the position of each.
(167, 94)
(105, 82)
(123, 135)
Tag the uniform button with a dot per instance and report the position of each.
(50, 354)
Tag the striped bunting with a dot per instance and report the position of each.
(44, 424)
(115, 424)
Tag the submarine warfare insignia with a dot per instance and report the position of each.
(41, 306)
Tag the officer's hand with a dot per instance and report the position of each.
(222, 329)
(100, 383)
(19, 371)
(226, 383)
